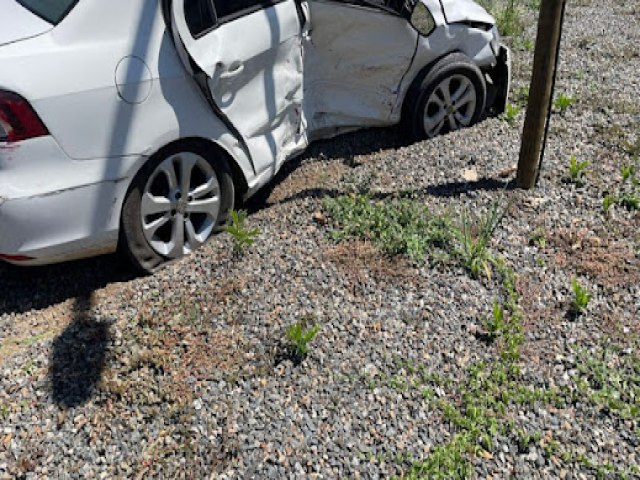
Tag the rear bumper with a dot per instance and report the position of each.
(54, 209)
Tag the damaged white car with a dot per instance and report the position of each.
(138, 124)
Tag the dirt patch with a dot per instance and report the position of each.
(308, 177)
(360, 260)
(612, 263)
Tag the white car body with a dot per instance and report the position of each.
(112, 89)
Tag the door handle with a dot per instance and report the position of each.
(233, 71)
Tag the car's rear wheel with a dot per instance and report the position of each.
(452, 95)
(175, 203)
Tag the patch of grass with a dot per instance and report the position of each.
(474, 251)
(399, 226)
(404, 226)
(611, 380)
(448, 461)
(577, 170)
(509, 19)
(243, 237)
(562, 102)
(581, 298)
(511, 113)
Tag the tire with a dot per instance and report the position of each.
(431, 108)
(159, 223)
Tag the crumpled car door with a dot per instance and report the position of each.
(356, 59)
(252, 59)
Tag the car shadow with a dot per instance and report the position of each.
(36, 288)
(78, 356)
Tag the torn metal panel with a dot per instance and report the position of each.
(352, 71)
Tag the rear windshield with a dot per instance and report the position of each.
(53, 11)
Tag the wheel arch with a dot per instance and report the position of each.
(416, 83)
(129, 242)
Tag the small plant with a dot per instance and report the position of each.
(300, 335)
(511, 113)
(563, 102)
(495, 325)
(577, 170)
(243, 237)
(538, 237)
(475, 249)
(581, 298)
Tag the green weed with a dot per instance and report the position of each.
(562, 102)
(577, 170)
(300, 336)
(495, 324)
(243, 237)
(581, 298)
(511, 113)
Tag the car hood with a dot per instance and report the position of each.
(17, 23)
(460, 11)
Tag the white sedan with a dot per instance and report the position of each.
(137, 124)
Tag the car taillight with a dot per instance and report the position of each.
(18, 119)
(14, 258)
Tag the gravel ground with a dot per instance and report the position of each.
(182, 375)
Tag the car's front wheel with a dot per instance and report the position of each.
(175, 203)
(451, 96)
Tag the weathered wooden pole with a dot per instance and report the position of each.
(540, 93)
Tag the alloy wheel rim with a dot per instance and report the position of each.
(180, 205)
(451, 105)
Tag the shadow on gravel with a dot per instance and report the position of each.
(345, 147)
(78, 356)
(24, 289)
(450, 189)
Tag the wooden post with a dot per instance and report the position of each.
(541, 91)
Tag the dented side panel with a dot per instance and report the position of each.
(355, 61)
(255, 75)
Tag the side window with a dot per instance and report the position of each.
(229, 8)
(200, 16)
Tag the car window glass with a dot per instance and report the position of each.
(227, 8)
(53, 11)
(199, 16)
